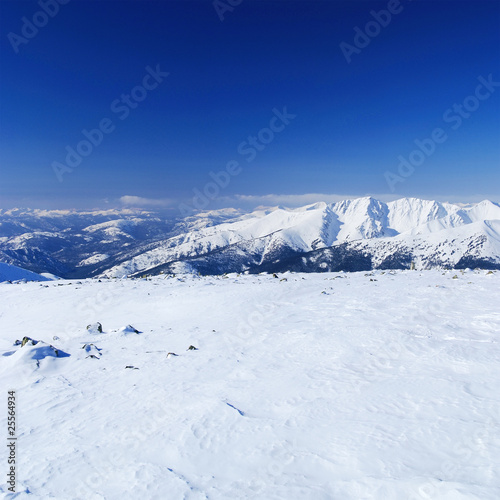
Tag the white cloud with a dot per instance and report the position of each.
(299, 200)
(473, 198)
(252, 202)
(138, 201)
(295, 200)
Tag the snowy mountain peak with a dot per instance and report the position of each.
(356, 233)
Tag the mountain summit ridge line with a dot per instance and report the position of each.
(355, 234)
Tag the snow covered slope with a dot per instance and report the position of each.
(69, 243)
(425, 231)
(380, 385)
(13, 273)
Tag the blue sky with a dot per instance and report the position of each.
(350, 123)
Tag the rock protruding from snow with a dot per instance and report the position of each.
(31, 353)
(94, 328)
(126, 330)
(92, 351)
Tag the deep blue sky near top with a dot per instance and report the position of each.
(352, 121)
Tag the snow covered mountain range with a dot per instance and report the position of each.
(352, 235)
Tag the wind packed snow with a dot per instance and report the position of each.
(381, 385)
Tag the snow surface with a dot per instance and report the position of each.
(306, 386)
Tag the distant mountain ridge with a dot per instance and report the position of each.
(350, 235)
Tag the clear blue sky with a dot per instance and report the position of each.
(352, 120)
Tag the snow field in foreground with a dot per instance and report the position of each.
(321, 386)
